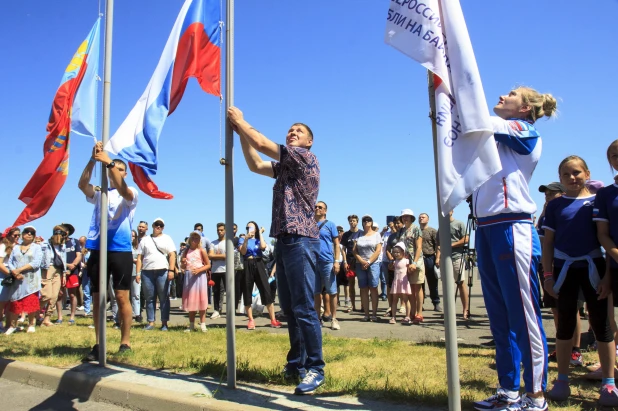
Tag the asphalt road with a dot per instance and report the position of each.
(19, 397)
(473, 331)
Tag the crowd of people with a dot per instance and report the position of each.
(314, 261)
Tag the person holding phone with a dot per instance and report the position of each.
(255, 273)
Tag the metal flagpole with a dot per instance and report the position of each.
(107, 79)
(446, 267)
(230, 304)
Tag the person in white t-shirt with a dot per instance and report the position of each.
(156, 263)
(367, 250)
(121, 204)
(217, 258)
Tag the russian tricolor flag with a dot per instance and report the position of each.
(192, 50)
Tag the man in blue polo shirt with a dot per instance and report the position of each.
(328, 258)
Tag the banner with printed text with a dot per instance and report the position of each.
(434, 33)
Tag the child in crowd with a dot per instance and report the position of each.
(195, 262)
(572, 248)
(401, 286)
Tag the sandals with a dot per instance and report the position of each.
(392, 321)
(388, 312)
(374, 319)
(71, 322)
(406, 321)
(58, 322)
(417, 319)
(347, 310)
(365, 319)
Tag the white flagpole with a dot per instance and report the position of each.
(107, 80)
(446, 268)
(230, 304)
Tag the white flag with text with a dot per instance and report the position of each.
(467, 153)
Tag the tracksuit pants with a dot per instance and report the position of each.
(508, 257)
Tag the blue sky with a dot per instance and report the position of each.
(321, 63)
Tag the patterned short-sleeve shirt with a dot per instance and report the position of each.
(409, 238)
(295, 192)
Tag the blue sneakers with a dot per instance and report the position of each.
(499, 401)
(310, 383)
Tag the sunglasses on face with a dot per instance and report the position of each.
(367, 221)
(29, 232)
(159, 225)
(143, 222)
(15, 235)
(60, 232)
(319, 207)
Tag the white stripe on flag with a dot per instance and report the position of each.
(135, 122)
(467, 154)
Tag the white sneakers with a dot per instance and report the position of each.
(215, 315)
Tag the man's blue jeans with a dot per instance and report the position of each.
(296, 270)
(156, 282)
(87, 294)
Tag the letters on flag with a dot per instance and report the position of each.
(46, 182)
(193, 49)
(434, 33)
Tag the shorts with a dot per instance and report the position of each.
(457, 269)
(418, 276)
(325, 278)
(119, 266)
(342, 278)
(369, 277)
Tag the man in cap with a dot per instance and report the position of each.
(156, 263)
(121, 204)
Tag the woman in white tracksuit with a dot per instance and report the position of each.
(509, 252)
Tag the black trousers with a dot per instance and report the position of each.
(430, 279)
(218, 290)
(576, 279)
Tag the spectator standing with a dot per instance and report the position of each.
(121, 204)
(217, 258)
(85, 278)
(386, 232)
(297, 173)
(6, 248)
(367, 249)
(401, 286)
(53, 274)
(74, 259)
(342, 279)
(459, 239)
(156, 260)
(25, 268)
(392, 241)
(196, 264)
(136, 287)
(413, 240)
(255, 274)
(327, 266)
(431, 258)
(348, 240)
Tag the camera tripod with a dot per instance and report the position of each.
(468, 260)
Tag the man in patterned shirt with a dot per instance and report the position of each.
(297, 180)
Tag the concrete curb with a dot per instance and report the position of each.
(132, 396)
